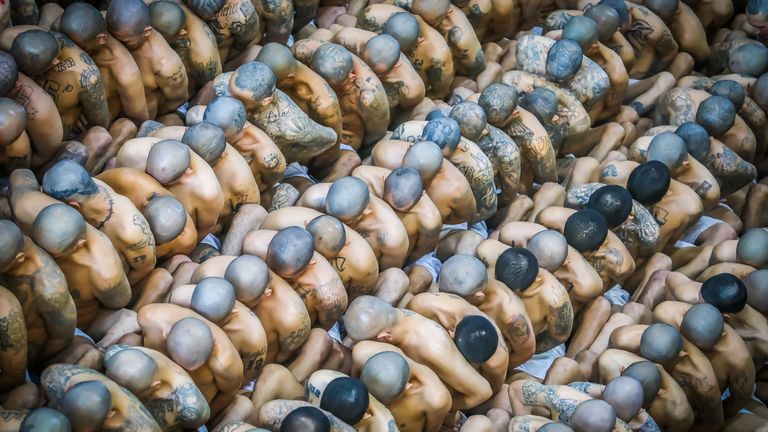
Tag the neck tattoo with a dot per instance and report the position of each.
(110, 210)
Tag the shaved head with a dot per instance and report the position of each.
(437, 113)
(332, 62)
(347, 198)
(82, 23)
(661, 343)
(649, 182)
(542, 103)
(306, 419)
(625, 395)
(168, 160)
(328, 234)
(206, 9)
(403, 189)
(752, 248)
(207, 140)
(550, 249)
(471, 119)
(290, 251)
(34, 52)
(696, 138)
(69, 181)
(249, 276)
(730, 89)
(563, 60)
(278, 58)
(669, 149)
(462, 275)
(367, 316)
(432, 11)
(613, 202)
(13, 120)
(346, 398)
(166, 217)
(132, 369)
(716, 114)
(87, 405)
(127, 21)
(759, 91)
(476, 338)
(426, 158)
(586, 230)
(750, 59)
(725, 292)
(703, 325)
(756, 284)
(381, 53)
(190, 343)
(607, 20)
(620, 7)
(649, 377)
(665, 9)
(499, 101)
(167, 18)
(253, 81)
(9, 73)
(404, 27)
(517, 268)
(385, 375)
(582, 30)
(46, 419)
(593, 415)
(57, 228)
(11, 243)
(443, 131)
(213, 298)
(555, 427)
(227, 113)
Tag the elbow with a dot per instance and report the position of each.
(480, 395)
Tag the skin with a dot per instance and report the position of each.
(13, 352)
(196, 46)
(462, 40)
(272, 413)
(235, 26)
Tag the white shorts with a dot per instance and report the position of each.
(81, 333)
(295, 169)
(539, 364)
(347, 148)
(702, 225)
(617, 295)
(478, 227)
(335, 332)
(431, 263)
(212, 240)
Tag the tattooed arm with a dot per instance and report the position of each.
(56, 306)
(278, 15)
(172, 81)
(140, 250)
(559, 324)
(93, 99)
(13, 342)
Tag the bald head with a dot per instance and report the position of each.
(166, 217)
(476, 338)
(432, 11)
(306, 419)
(83, 23)
(586, 230)
(499, 101)
(607, 20)
(731, 90)
(290, 251)
(385, 376)
(11, 243)
(625, 395)
(132, 369)
(703, 325)
(367, 316)
(665, 9)
(167, 18)
(649, 182)
(403, 189)
(750, 59)
(542, 103)
(253, 81)
(696, 138)
(649, 377)
(168, 160)
(563, 60)
(463, 275)
(669, 149)
(517, 268)
(613, 202)
(555, 427)
(756, 284)
(620, 7)
(127, 21)
(213, 298)
(227, 113)
(347, 198)
(46, 419)
(593, 415)
(346, 398)
(381, 53)
(404, 27)
(426, 158)
(34, 52)
(582, 30)
(190, 343)
(443, 131)
(332, 62)
(207, 140)
(87, 405)
(752, 248)
(550, 249)
(249, 276)
(57, 229)
(69, 181)
(328, 234)
(759, 90)
(13, 120)
(206, 9)
(278, 58)
(661, 343)
(725, 292)
(471, 118)
(9, 73)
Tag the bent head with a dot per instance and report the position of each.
(87, 405)
(213, 298)
(669, 149)
(249, 276)
(607, 20)
(613, 202)
(13, 121)
(443, 131)
(499, 101)
(190, 343)
(542, 103)
(550, 249)
(661, 343)
(432, 11)
(621, 10)
(9, 73)
(69, 181)
(426, 158)
(227, 113)
(649, 182)
(306, 419)
(716, 114)
(333, 63)
(696, 138)
(46, 419)
(329, 235)
(381, 53)
(517, 268)
(750, 59)
(665, 9)
(367, 317)
(752, 248)
(167, 18)
(346, 398)
(128, 21)
(649, 377)
(471, 118)
(166, 217)
(253, 83)
(581, 29)
(385, 375)
(59, 229)
(278, 58)
(756, 284)
(404, 27)
(586, 230)
(759, 90)
(11, 243)
(563, 60)
(206, 9)
(168, 160)
(35, 52)
(703, 325)
(476, 338)
(403, 189)
(207, 140)
(132, 369)
(593, 415)
(84, 25)
(463, 275)
(625, 395)
(290, 251)
(731, 90)
(725, 292)
(347, 198)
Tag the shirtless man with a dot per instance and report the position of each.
(235, 24)
(162, 71)
(348, 399)
(13, 354)
(423, 340)
(158, 382)
(30, 274)
(109, 212)
(92, 401)
(298, 137)
(14, 141)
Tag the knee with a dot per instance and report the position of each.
(97, 135)
(718, 233)
(666, 80)
(616, 130)
(661, 261)
(585, 164)
(321, 342)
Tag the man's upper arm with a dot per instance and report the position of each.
(172, 79)
(93, 98)
(115, 296)
(131, 91)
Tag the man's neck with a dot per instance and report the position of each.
(96, 214)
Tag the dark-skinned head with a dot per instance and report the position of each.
(11, 243)
(385, 375)
(661, 343)
(166, 217)
(499, 101)
(168, 160)
(35, 52)
(648, 375)
(206, 9)
(703, 325)
(69, 181)
(132, 369)
(253, 83)
(752, 248)
(476, 338)
(13, 120)
(593, 415)
(278, 58)
(585, 230)
(581, 29)
(128, 21)
(227, 113)
(249, 275)
(46, 419)
(190, 343)
(346, 398)
(381, 53)
(607, 20)
(749, 59)
(563, 60)
(664, 9)
(425, 157)
(9, 73)
(471, 118)
(333, 63)
(760, 91)
(167, 18)
(621, 9)
(290, 251)
(432, 11)
(542, 103)
(613, 202)
(725, 292)
(649, 182)
(445, 132)
(404, 27)
(347, 198)
(207, 140)
(58, 229)
(696, 138)
(517, 268)
(669, 149)
(756, 284)
(730, 89)
(87, 405)
(403, 188)
(306, 419)
(625, 395)
(84, 25)
(462, 275)
(329, 235)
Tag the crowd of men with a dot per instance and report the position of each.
(414, 215)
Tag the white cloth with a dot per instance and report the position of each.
(539, 364)
(682, 244)
(702, 224)
(347, 147)
(538, 30)
(295, 169)
(431, 263)
(212, 240)
(617, 295)
(183, 109)
(335, 332)
(478, 227)
(81, 333)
